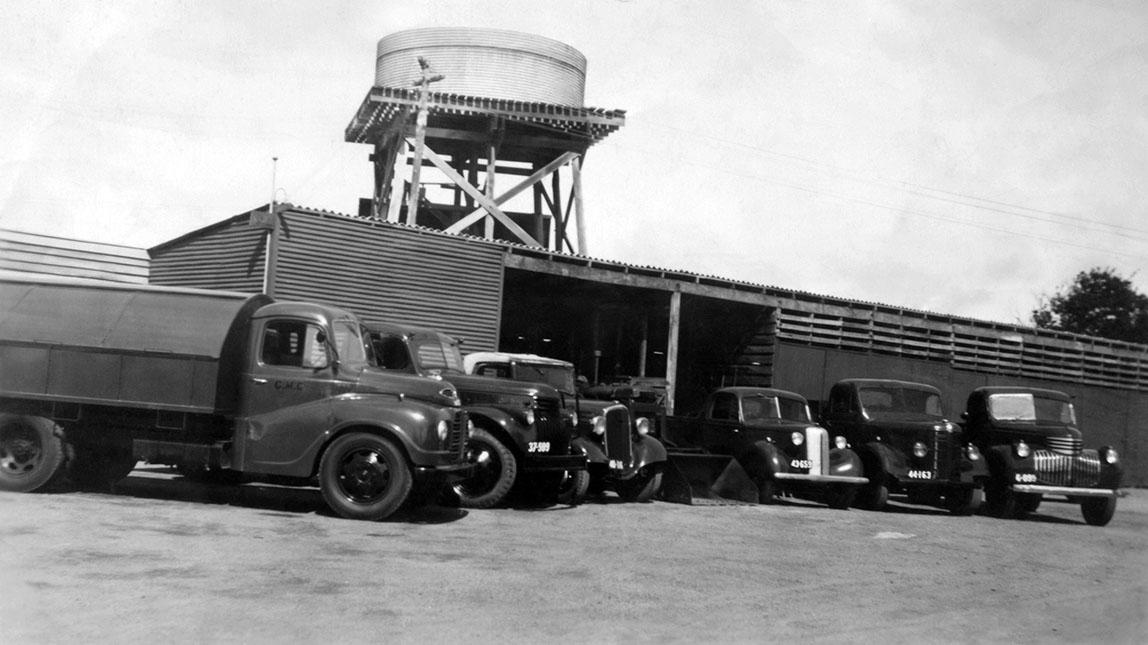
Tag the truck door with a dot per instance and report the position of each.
(285, 394)
(722, 423)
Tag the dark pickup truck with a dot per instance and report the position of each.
(906, 444)
(775, 440)
(1034, 448)
(95, 376)
(620, 453)
(521, 436)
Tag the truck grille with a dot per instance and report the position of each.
(946, 454)
(1062, 470)
(456, 438)
(1064, 445)
(617, 439)
(817, 449)
(548, 407)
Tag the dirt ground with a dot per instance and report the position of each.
(164, 559)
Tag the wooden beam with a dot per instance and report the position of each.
(518, 188)
(487, 205)
(672, 350)
(576, 168)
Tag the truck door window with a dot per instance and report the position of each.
(392, 354)
(725, 407)
(497, 370)
(292, 343)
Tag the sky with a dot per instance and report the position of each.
(964, 158)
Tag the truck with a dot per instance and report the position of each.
(906, 444)
(521, 439)
(621, 454)
(774, 441)
(1034, 448)
(96, 376)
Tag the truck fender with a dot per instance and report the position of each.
(880, 461)
(845, 462)
(1110, 474)
(502, 426)
(762, 461)
(973, 470)
(594, 453)
(648, 450)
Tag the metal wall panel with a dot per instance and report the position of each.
(36, 253)
(228, 256)
(394, 273)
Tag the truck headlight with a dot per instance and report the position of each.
(443, 430)
(840, 442)
(599, 425)
(1022, 450)
(1109, 455)
(920, 449)
(798, 438)
(642, 425)
(972, 453)
(528, 416)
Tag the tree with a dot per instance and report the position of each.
(1097, 303)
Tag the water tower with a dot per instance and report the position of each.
(474, 131)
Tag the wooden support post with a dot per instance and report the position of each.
(491, 171)
(643, 345)
(672, 350)
(423, 84)
(576, 169)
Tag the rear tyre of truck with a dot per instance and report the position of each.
(840, 496)
(640, 488)
(495, 473)
(32, 453)
(364, 476)
(964, 500)
(1098, 511)
(574, 487)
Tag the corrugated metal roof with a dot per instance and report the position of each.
(54, 255)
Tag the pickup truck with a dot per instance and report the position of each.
(1035, 448)
(906, 444)
(95, 376)
(620, 453)
(775, 440)
(521, 434)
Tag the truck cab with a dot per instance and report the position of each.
(907, 445)
(1035, 448)
(620, 453)
(521, 432)
(771, 433)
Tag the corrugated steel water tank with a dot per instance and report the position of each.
(493, 63)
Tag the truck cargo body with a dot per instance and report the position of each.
(106, 374)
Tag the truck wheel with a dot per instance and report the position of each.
(574, 487)
(766, 490)
(964, 500)
(32, 453)
(641, 487)
(100, 466)
(1000, 500)
(1098, 511)
(874, 495)
(364, 476)
(840, 496)
(1027, 503)
(494, 478)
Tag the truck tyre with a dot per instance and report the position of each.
(574, 487)
(641, 487)
(766, 490)
(874, 496)
(32, 453)
(497, 469)
(101, 466)
(1098, 511)
(1027, 503)
(840, 496)
(364, 476)
(964, 500)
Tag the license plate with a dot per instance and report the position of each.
(920, 474)
(538, 446)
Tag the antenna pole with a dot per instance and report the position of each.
(272, 259)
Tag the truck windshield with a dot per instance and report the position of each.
(436, 356)
(1024, 406)
(766, 408)
(558, 377)
(891, 401)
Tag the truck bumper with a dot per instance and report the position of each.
(550, 463)
(821, 479)
(448, 473)
(1063, 490)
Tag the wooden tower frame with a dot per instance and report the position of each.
(487, 151)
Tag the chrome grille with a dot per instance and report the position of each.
(548, 407)
(617, 439)
(456, 438)
(1062, 470)
(817, 451)
(1064, 445)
